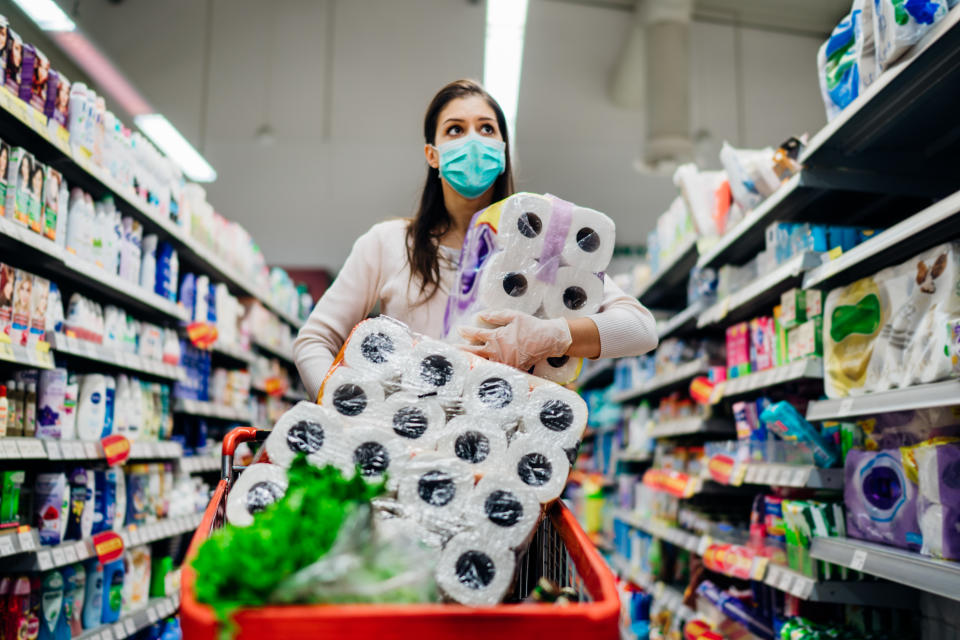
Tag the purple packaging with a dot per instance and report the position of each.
(51, 398)
(14, 61)
(881, 500)
(4, 38)
(939, 499)
(34, 77)
(906, 428)
(57, 106)
(49, 507)
(749, 617)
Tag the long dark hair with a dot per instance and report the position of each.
(432, 219)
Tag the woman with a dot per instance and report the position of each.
(408, 265)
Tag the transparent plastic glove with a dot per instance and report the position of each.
(518, 339)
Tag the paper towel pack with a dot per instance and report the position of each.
(536, 254)
(939, 499)
(896, 328)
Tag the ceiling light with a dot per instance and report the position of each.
(503, 54)
(168, 139)
(47, 14)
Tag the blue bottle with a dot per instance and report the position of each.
(113, 573)
(93, 598)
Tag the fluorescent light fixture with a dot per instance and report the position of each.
(47, 14)
(107, 77)
(165, 135)
(503, 54)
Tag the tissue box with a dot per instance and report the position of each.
(762, 344)
(805, 340)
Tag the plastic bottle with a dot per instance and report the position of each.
(113, 573)
(68, 429)
(17, 614)
(78, 503)
(91, 407)
(121, 412)
(3, 410)
(15, 409)
(93, 596)
(105, 500)
(30, 410)
(76, 591)
(51, 605)
(148, 262)
(109, 407)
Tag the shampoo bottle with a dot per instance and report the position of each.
(91, 407)
(51, 605)
(113, 573)
(108, 410)
(93, 597)
(77, 590)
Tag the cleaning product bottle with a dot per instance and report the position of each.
(93, 597)
(112, 602)
(91, 406)
(51, 605)
(121, 411)
(30, 410)
(3, 410)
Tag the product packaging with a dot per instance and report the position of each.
(881, 500)
(50, 507)
(35, 77)
(805, 340)
(738, 350)
(52, 183)
(10, 485)
(785, 421)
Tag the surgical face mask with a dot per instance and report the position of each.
(472, 163)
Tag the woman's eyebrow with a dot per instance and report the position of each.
(452, 120)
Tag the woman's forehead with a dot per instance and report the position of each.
(467, 108)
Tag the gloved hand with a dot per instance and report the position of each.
(519, 339)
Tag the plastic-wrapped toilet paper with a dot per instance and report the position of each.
(417, 421)
(375, 451)
(523, 223)
(475, 571)
(496, 392)
(379, 344)
(479, 444)
(939, 503)
(541, 466)
(435, 488)
(881, 500)
(355, 394)
(589, 242)
(562, 369)
(306, 428)
(510, 282)
(575, 293)
(503, 509)
(897, 26)
(555, 415)
(435, 368)
(259, 486)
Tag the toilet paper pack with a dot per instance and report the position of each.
(938, 471)
(535, 254)
(881, 499)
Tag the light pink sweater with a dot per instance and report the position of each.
(377, 271)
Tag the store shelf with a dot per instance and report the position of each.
(276, 352)
(935, 224)
(635, 456)
(35, 358)
(817, 196)
(101, 354)
(806, 369)
(290, 395)
(673, 535)
(906, 120)
(25, 552)
(692, 426)
(200, 464)
(665, 597)
(761, 295)
(838, 591)
(792, 475)
(129, 624)
(70, 450)
(941, 577)
(664, 383)
(234, 352)
(667, 289)
(210, 410)
(924, 396)
(681, 322)
(599, 376)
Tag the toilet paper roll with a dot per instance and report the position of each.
(437, 369)
(562, 369)
(555, 415)
(510, 282)
(474, 571)
(356, 395)
(259, 486)
(479, 444)
(436, 489)
(523, 223)
(590, 240)
(575, 293)
(504, 510)
(496, 392)
(541, 466)
(417, 421)
(374, 451)
(379, 345)
(306, 428)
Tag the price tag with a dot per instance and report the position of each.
(846, 406)
(152, 615)
(784, 476)
(53, 450)
(802, 588)
(70, 554)
(704, 544)
(130, 625)
(134, 536)
(119, 632)
(759, 567)
(785, 581)
(8, 449)
(91, 450)
(58, 556)
(6, 546)
(27, 543)
(32, 448)
(81, 551)
(107, 634)
(44, 561)
(800, 477)
(858, 560)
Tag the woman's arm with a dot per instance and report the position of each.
(623, 327)
(346, 302)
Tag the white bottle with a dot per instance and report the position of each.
(62, 220)
(77, 229)
(200, 306)
(148, 263)
(121, 414)
(135, 409)
(91, 406)
(110, 407)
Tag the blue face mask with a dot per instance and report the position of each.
(472, 163)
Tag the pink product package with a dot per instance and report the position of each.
(34, 77)
(738, 350)
(762, 344)
(7, 280)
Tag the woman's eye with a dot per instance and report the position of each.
(454, 130)
(487, 129)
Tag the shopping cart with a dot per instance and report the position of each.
(560, 551)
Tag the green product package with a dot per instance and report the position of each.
(11, 481)
(851, 437)
(158, 576)
(793, 307)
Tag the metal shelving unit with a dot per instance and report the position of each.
(792, 475)
(286, 357)
(693, 426)
(664, 383)
(667, 288)
(128, 625)
(681, 322)
(210, 410)
(123, 360)
(924, 396)
(806, 369)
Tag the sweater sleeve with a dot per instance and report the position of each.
(348, 300)
(626, 327)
